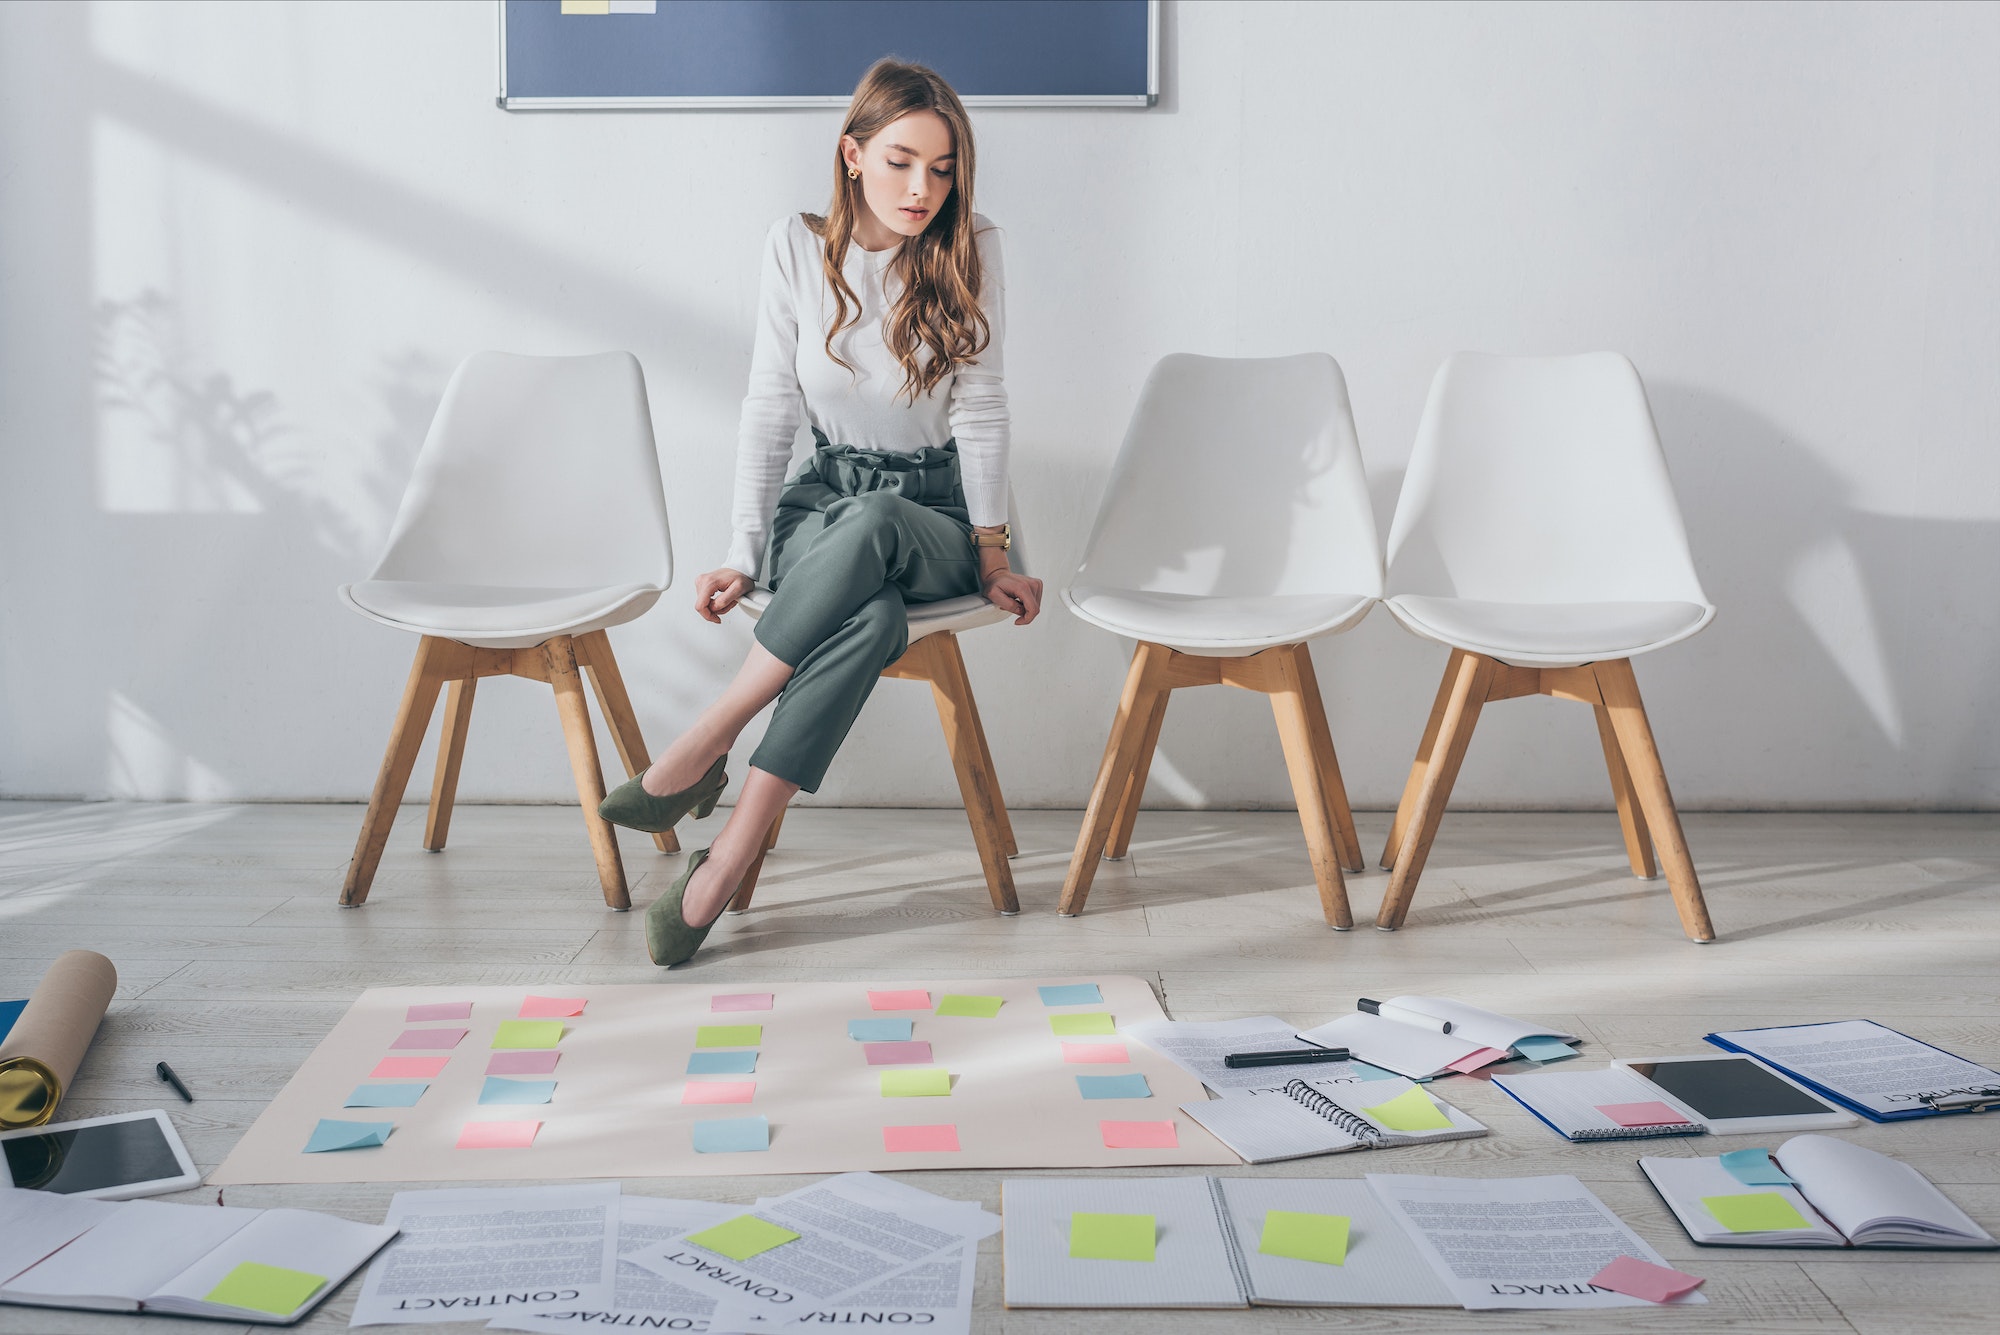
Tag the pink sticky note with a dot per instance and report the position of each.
(1643, 1279)
(1139, 1136)
(897, 1054)
(899, 1001)
(498, 1135)
(551, 1008)
(1472, 1061)
(429, 1038)
(741, 1001)
(440, 1010)
(907, 1139)
(527, 1062)
(719, 1091)
(1642, 1114)
(407, 1068)
(1094, 1052)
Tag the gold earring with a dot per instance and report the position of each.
(853, 174)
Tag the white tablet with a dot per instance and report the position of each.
(108, 1158)
(1737, 1095)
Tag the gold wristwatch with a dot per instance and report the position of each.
(1004, 539)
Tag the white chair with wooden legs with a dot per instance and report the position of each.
(533, 522)
(933, 657)
(1537, 536)
(1235, 529)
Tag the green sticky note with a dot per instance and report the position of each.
(266, 1288)
(743, 1237)
(528, 1034)
(1305, 1237)
(1411, 1110)
(983, 1008)
(729, 1035)
(1111, 1237)
(922, 1082)
(1077, 1026)
(1755, 1212)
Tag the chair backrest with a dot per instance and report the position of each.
(538, 472)
(1238, 477)
(1540, 480)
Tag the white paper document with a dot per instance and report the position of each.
(854, 1231)
(1402, 1048)
(1524, 1242)
(1198, 1047)
(934, 1296)
(473, 1253)
(640, 1299)
(1871, 1066)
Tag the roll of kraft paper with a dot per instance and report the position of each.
(47, 1043)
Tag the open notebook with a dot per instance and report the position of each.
(1325, 1117)
(1206, 1245)
(1843, 1196)
(1478, 1037)
(270, 1266)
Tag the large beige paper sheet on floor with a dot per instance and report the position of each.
(617, 1110)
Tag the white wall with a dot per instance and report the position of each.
(241, 246)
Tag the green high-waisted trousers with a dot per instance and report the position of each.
(858, 535)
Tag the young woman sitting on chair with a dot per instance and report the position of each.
(881, 324)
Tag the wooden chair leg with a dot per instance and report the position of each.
(771, 839)
(1143, 682)
(451, 754)
(1424, 749)
(1008, 846)
(1620, 690)
(1120, 842)
(740, 901)
(413, 718)
(1469, 676)
(951, 689)
(560, 654)
(1302, 730)
(601, 667)
(1631, 821)
(1346, 842)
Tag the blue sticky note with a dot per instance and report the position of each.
(733, 1135)
(722, 1063)
(1754, 1168)
(337, 1135)
(10, 1011)
(1072, 994)
(499, 1089)
(387, 1096)
(880, 1031)
(1367, 1072)
(1542, 1048)
(1132, 1086)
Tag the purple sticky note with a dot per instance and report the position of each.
(740, 1001)
(524, 1062)
(1651, 1113)
(897, 1054)
(1642, 1279)
(431, 1039)
(439, 1010)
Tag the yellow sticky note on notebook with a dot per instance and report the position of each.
(1082, 1026)
(256, 1287)
(528, 1034)
(1755, 1212)
(1111, 1237)
(925, 1082)
(1411, 1110)
(1305, 1237)
(728, 1035)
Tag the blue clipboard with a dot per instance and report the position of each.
(1987, 1101)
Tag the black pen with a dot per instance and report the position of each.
(1237, 1059)
(167, 1074)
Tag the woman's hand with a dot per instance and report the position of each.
(719, 590)
(1012, 592)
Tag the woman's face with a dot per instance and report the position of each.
(906, 170)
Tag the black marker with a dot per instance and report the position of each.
(1282, 1058)
(167, 1074)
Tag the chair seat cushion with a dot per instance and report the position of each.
(1547, 632)
(473, 611)
(1217, 622)
(952, 614)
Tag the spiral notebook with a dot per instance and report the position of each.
(1611, 1104)
(1312, 1117)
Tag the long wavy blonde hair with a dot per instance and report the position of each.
(937, 324)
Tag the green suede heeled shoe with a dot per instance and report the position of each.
(630, 805)
(669, 938)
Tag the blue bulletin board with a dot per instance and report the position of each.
(574, 55)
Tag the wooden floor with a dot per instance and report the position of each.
(234, 960)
